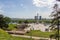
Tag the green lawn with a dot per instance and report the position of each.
(39, 33)
(12, 26)
(6, 36)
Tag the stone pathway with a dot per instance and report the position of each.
(25, 36)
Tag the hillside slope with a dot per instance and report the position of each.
(6, 36)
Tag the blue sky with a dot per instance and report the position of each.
(26, 8)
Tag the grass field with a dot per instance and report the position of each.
(40, 34)
(12, 26)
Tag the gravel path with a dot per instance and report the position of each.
(31, 37)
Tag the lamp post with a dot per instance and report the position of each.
(31, 33)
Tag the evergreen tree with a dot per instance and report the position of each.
(56, 21)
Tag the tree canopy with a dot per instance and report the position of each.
(3, 22)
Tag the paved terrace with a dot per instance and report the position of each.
(40, 27)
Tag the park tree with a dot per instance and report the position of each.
(3, 22)
(56, 21)
(26, 21)
(21, 21)
(7, 19)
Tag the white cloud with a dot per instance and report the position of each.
(46, 14)
(43, 3)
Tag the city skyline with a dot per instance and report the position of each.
(26, 8)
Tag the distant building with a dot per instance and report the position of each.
(36, 18)
(40, 17)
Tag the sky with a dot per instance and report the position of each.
(26, 8)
